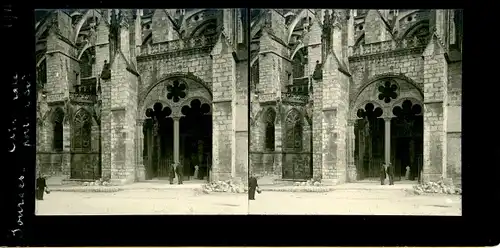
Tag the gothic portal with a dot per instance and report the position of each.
(123, 93)
(336, 93)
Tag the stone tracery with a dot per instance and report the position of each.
(176, 91)
(293, 130)
(82, 125)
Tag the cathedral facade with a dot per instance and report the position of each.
(334, 94)
(123, 94)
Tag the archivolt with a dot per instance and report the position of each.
(354, 105)
(145, 93)
(386, 75)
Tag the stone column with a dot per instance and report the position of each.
(278, 146)
(66, 152)
(351, 141)
(176, 139)
(387, 145)
(140, 168)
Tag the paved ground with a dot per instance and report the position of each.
(356, 202)
(142, 201)
(158, 197)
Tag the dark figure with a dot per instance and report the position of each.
(41, 187)
(171, 173)
(382, 174)
(179, 169)
(390, 172)
(106, 71)
(252, 187)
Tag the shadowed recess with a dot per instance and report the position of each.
(370, 111)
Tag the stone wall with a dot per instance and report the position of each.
(224, 79)
(123, 110)
(317, 127)
(454, 125)
(240, 99)
(435, 84)
(154, 68)
(62, 67)
(334, 114)
(375, 29)
(365, 69)
(269, 75)
(162, 28)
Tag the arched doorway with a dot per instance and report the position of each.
(85, 163)
(407, 140)
(196, 139)
(178, 128)
(388, 128)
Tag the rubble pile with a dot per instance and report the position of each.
(305, 188)
(99, 182)
(224, 186)
(437, 188)
(88, 189)
(311, 182)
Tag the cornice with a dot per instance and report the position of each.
(393, 53)
(175, 54)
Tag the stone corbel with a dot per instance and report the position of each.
(140, 122)
(352, 122)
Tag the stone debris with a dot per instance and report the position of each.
(306, 188)
(99, 182)
(310, 182)
(224, 186)
(437, 188)
(88, 189)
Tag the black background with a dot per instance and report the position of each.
(479, 172)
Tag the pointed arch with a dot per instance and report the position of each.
(360, 40)
(86, 61)
(148, 39)
(299, 46)
(293, 127)
(204, 27)
(58, 129)
(269, 120)
(82, 130)
(303, 13)
(82, 21)
(416, 28)
(254, 75)
(299, 61)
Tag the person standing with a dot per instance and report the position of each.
(383, 173)
(179, 171)
(41, 186)
(252, 187)
(390, 173)
(171, 173)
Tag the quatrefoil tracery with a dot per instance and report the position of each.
(387, 92)
(176, 91)
(195, 108)
(370, 111)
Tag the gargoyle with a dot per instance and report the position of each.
(106, 71)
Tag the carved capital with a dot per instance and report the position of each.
(352, 122)
(140, 122)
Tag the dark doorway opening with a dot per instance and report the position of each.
(407, 141)
(158, 139)
(369, 142)
(196, 140)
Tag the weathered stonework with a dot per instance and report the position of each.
(351, 56)
(143, 55)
